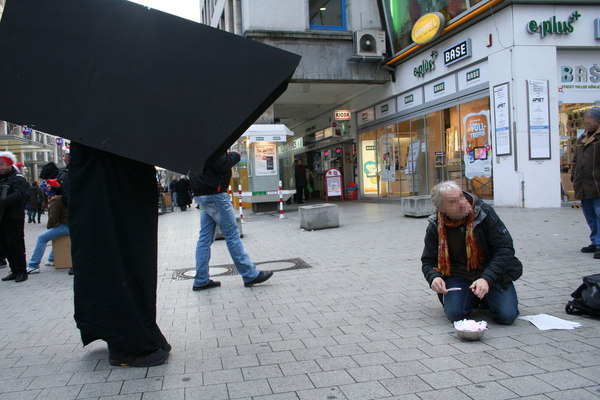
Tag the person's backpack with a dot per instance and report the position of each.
(586, 298)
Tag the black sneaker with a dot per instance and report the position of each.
(9, 277)
(21, 277)
(589, 249)
(597, 254)
(127, 360)
(211, 284)
(262, 277)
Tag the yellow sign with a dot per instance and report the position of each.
(428, 27)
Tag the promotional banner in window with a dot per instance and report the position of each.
(478, 156)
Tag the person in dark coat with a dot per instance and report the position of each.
(210, 191)
(585, 174)
(469, 256)
(301, 181)
(14, 193)
(182, 188)
(115, 256)
(35, 203)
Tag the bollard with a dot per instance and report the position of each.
(280, 200)
(230, 192)
(240, 203)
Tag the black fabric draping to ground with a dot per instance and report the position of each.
(113, 224)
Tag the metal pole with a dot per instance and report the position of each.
(240, 203)
(280, 200)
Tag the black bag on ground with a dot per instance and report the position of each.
(586, 298)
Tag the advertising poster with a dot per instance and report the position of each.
(388, 165)
(477, 156)
(502, 120)
(413, 157)
(539, 119)
(265, 159)
(369, 166)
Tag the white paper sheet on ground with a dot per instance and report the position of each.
(545, 322)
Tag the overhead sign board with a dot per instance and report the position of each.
(342, 115)
(457, 52)
(428, 27)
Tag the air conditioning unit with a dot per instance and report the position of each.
(369, 43)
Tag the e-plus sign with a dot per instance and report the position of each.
(575, 15)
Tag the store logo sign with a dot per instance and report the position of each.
(440, 87)
(552, 26)
(370, 148)
(342, 115)
(409, 99)
(473, 75)
(428, 27)
(426, 66)
(458, 52)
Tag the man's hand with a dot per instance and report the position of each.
(480, 288)
(438, 285)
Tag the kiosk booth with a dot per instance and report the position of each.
(258, 172)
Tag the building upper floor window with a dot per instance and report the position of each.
(327, 14)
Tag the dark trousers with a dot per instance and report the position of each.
(113, 220)
(458, 305)
(12, 243)
(300, 193)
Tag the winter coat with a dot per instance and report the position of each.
(585, 169)
(182, 188)
(13, 206)
(57, 212)
(500, 266)
(37, 197)
(300, 175)
(216, 177)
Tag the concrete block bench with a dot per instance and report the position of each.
(219, 234)
(417, 206)
(319, 216)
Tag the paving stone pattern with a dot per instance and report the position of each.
(360, 324)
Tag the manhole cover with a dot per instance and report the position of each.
(229, 269)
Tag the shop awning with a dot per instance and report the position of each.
(268, 133)
(22, 145)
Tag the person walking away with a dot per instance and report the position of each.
(14, 192)
(210, 192)
(172, 186)
(57, 226)
(585, 175)
(35, 203)
(469, 256)
(182, 187)
(300, 175)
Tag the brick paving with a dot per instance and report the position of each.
(360, 324)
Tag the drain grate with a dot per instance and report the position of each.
(229, 269)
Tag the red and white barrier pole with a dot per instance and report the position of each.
(230, 192)
(280, 200)
(240, 203)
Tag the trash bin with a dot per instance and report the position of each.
(351, 191)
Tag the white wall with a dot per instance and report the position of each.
(362, 14)
(275, 15)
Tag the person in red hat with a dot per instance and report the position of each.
(14, 192)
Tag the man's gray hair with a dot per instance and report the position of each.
(441, 188)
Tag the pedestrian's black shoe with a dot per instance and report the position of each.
(262, 277)
(9, 277)
(128, 360)
(589, 249)
(597, 254)
(71, 271)
(211, 284)
(20, 277)
(3, 263)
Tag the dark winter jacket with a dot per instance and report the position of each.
(585, 171)
(57, 212)
(216, 177)
(300, 175)
(500, 265)
(17, 194)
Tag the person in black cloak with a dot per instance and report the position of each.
(115, 297)
(182, 188)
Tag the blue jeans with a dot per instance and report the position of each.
(503, 304)
(216, 209)
(43, 239)
(591, 212)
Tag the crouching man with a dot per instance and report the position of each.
(469, 256)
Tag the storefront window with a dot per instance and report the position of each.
(327, 14)
(368, 166)
(571, 127)
(401, 15)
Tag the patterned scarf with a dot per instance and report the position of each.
(474, 253)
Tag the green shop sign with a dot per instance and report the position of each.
(426, 66)
(552, 26)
